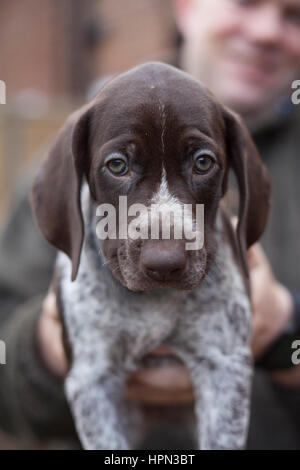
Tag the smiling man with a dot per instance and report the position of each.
(247, 51)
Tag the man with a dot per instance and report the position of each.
(248, 52)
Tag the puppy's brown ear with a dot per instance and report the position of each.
(55, 195)
(253, 183)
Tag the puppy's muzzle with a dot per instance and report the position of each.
(163, 260)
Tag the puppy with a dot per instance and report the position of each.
(156, 137)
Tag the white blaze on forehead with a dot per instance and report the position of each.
(163, 124)
(167, 212)
(168, 209)
(163, 195)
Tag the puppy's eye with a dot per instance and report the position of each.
(203, 161)
(117, 166)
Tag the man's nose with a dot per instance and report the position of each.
(163, 260)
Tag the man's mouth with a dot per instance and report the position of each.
(253, 72)
(253, 66)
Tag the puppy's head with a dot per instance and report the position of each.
(158, 138)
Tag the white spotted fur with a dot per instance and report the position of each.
(111, 328)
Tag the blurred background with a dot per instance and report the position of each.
(53, 54)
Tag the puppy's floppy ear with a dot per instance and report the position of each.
(253, 183)
(55, 195)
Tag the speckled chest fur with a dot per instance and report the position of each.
(111, 329)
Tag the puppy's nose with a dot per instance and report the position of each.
(163, 260)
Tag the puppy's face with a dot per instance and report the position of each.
(154, 137)
(166, 150)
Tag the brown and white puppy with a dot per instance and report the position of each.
(156, 136)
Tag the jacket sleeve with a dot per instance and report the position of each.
(296, 297)
(278, 355)
(32, 402)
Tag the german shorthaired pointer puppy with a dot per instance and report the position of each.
(156, 136)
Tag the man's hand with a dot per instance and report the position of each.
(50, 334)
(164, 385)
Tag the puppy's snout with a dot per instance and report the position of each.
(163, 261)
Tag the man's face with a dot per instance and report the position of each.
(246, 51)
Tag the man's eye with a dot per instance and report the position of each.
(117, 166)
(203, 162)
